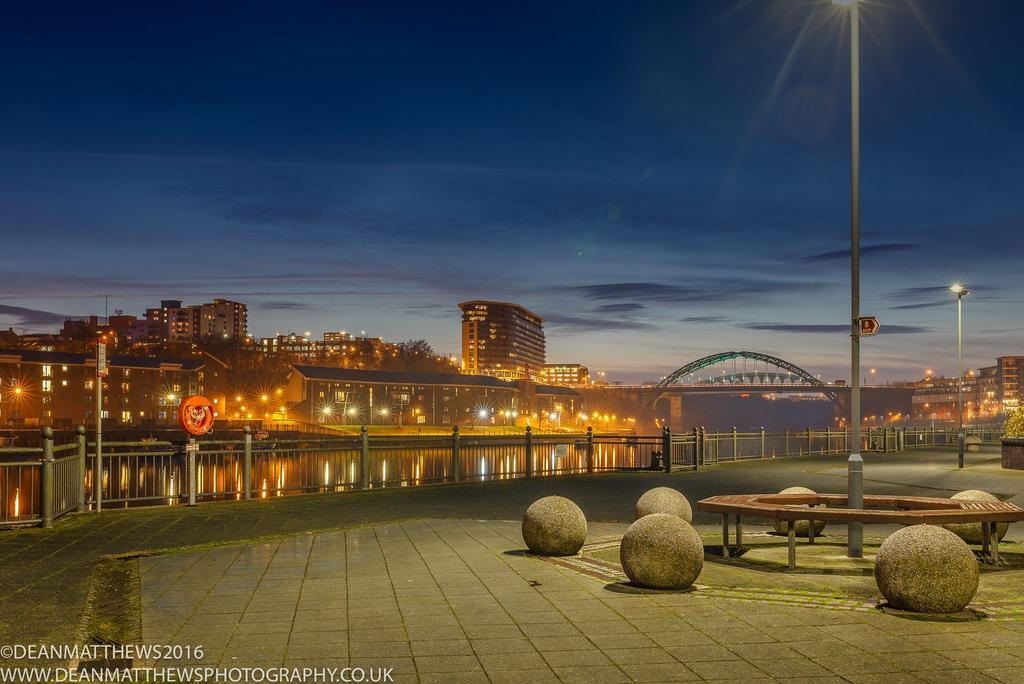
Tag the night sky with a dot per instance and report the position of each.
(659, 180)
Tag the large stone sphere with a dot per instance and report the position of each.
(971, 532)
(664, 500)
(661, 551)
(554, 526)
(926, 569)
(803, 527)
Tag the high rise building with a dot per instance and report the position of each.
(1011, 384)
(501, 339)
(222, 319)
(219, 320)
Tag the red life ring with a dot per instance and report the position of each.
(195, 415)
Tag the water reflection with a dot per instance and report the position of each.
(154, 478)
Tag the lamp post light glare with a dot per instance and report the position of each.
(960, 291)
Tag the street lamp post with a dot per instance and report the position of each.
(960, 291)
(855, 464)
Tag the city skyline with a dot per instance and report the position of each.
(671, 190)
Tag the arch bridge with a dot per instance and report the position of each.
(741, 371)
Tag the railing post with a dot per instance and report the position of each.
(247, 463)
(364, 457)
(97, 473)
(190, 466)
(455, 454)
(696, 447)
(666, 449)
(703, 460)
(81, 468)
(528, 449)
(735, 445)
(762, 441)
(46, 478)
(809, 442)
(828, 439)
(786, 447)
(590, 449)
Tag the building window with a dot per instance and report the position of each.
(47, 371)
(126, 416)
(47, 384)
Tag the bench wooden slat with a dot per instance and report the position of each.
(900, 510)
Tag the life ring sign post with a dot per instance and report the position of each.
(195, 415)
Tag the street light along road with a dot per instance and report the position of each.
(960, 291)
(855, 464)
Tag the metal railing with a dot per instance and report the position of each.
(703, 448)
(40, 484)
(948, 436)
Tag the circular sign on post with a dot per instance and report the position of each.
(195, 415)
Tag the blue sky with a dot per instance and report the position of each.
(660, 180)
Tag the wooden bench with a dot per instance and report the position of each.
(898, 510)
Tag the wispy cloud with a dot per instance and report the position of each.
(565, 323)
(31, 318)
(831, 328)
(624, 307)
(710, 318)
(286, 305)
(711, 290)
(884, 248)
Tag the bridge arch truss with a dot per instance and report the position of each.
(784, 373)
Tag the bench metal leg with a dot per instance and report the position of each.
(739, 530)
(994, 535)
(725, 535)
(792, 544)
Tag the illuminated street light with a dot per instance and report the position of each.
(855, 464)
(172, 398)
(264, 398)
(960, 291)
(482, 413)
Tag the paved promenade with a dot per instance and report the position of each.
(452, 601)
(44, 574)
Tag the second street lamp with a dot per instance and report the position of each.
(855, 464)
(960, 291)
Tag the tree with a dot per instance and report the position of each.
(416, 356)
(1015, 424)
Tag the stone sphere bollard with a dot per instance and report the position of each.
(802, 526)
(661, 551)
(971, 532)
(554, 526)
(926, 569)
(664, 500)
